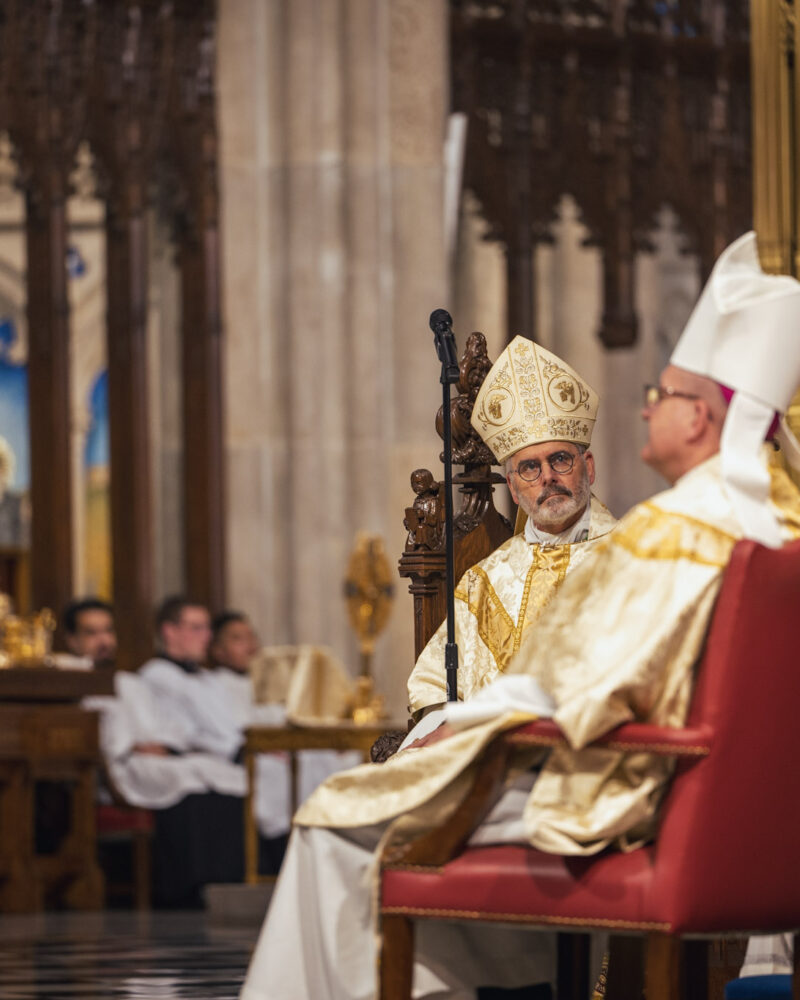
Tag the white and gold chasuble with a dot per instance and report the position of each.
(496, 602)
(618, 643)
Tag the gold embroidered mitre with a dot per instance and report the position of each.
(531, 396)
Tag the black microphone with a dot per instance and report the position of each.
(440, 317)
(441, 322)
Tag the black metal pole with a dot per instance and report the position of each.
(442, 326)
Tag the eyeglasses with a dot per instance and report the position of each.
(530, 469)
(653, 395)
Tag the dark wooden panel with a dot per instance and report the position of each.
(49, 401)
(44, 63)
(192, 148)
(478, 527)
(43, 684)
(124, 128)
(626, 108)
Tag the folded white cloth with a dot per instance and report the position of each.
(510, 693)
(513, 693)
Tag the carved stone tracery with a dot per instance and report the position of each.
(45, 60)
(626, 106)
(133, 82)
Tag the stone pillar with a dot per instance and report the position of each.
(332, 127)
(251, 112)
(418, 63)
(165, 400)
(316, 310)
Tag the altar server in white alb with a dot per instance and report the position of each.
(618, 642)
(160, 747)
(233, 652)
(167, 748)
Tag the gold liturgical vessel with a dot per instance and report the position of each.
(26, 641)
(369, 592)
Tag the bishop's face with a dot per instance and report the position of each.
(552, 483)
(668, 420)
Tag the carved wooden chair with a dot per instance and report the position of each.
(478, 527)
(724, 861)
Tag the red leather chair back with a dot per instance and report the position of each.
(727, 850)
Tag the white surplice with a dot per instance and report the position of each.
(135, 716)
(200, 717)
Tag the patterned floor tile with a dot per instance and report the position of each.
(122, 956)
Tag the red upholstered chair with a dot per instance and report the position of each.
(726, 857)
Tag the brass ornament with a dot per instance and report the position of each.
(775, 89)
(26, 640)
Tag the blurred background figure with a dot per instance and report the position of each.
(234, 642)
(89, 630)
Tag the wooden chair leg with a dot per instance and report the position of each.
(694, 960)
(573, 967)
(662, 971)
(141, 870)
(625, 979)
(396, 960)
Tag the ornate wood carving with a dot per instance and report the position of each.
(127, 110)
(192, 152)
(133, 63)
(45, 61)
(478, 527)
(626, 107)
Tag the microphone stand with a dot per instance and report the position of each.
(442, 325)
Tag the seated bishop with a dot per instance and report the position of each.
(537, 415)
(618, 642)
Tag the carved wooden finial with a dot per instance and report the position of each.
(469, 449)
(424, 521)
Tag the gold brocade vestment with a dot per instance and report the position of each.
(618, 643)
(496, 603)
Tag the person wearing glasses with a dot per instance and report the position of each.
(618, 642)
(537, 416)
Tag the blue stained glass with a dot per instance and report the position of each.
(97, 446)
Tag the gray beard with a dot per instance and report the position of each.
(544, 520)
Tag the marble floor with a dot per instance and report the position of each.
(123, 954)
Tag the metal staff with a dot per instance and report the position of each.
(442, 325)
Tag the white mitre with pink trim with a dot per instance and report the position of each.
(744, 333)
